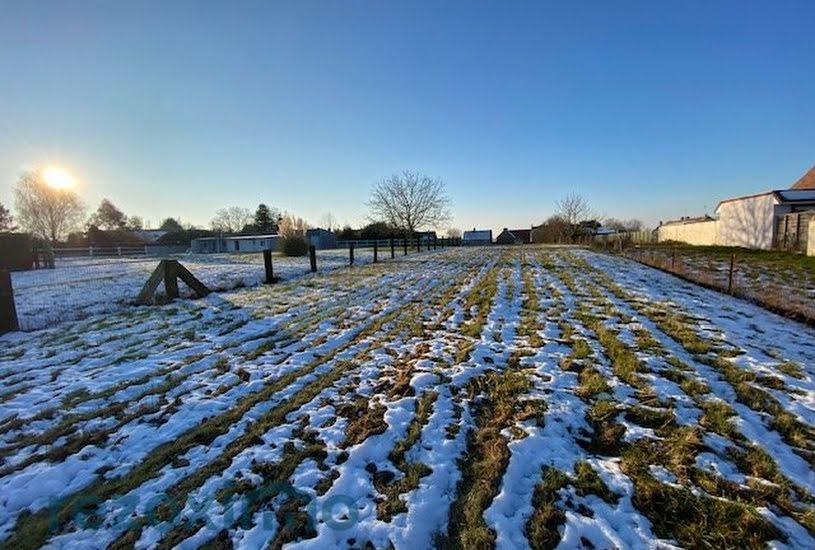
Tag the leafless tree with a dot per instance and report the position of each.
(454, 233)
(574, 209)
(410, 201)
(232, 219)
(623, 225)
(6, 221)
(292, 225)
(554, 230)
(328, 221)
(45, 211)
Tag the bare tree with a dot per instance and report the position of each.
(328, 221)
(554, 230)
(410, 202)
(45, 211)
(574, 209)
(454, 233)
(6, 221)
(291, 226)
(232, 219)
(623, 225)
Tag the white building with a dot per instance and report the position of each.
(751, 221)
(235, 244)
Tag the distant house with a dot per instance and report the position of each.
(477, 237)
(151, 235)
(425, 236)
(234, 244)
(321, 238)
(759, 221)
(514, 236)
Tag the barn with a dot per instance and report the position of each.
(477, 237)
(514, 236)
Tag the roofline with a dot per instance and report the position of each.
(753, 196)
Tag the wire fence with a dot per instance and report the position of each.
(82, 284)
(780, 281)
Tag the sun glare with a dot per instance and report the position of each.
(58, 178)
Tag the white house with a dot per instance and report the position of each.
(239, 243)
(751, 221)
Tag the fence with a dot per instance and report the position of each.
(792, 231)
(620, 241)
(81, 286)
(777, 281)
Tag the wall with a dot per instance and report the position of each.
(747, 222)
(811, 240)
(698, 233)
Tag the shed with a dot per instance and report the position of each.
(477, 237)
(321, 238)
(514, 236)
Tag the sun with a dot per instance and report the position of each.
(58, 178)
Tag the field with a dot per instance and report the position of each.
(466, 398)
(782, 281)
(80, 287)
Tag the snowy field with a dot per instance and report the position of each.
(467, 398)
(80, 287)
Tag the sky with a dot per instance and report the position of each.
(650, 110)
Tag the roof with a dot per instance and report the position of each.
(807, 181)
(687, 220)
(478, 235)
(251, 237)
(523, 235)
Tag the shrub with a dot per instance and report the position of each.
(294, 245)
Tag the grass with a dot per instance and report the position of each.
(488, 457)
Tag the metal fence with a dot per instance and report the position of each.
(84, 283)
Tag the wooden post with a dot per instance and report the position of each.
(393, 248)
(418, 244)
(267, 263)
(730, 274)
(404, 242)
(170, 271)
(351, 253)
(428, 243)
(8, 311)
(435, 242)
(376, 251)
(312, 254)
(170, 280)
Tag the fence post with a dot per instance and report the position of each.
(418, 244)
(435, 242)
(8, 312)
(393, 249)
(312, 253)
(404, 242)
(351, 253)
(730, 274)
(90, 252)
(267, 263)
(376, 251)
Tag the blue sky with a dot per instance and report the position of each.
(649, 109)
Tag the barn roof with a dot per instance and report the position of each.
(807, 181)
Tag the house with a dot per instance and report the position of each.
(321, 238)
(514, 236)
(150, 235)
(477, 237)
(234, 244)
(753, 221)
